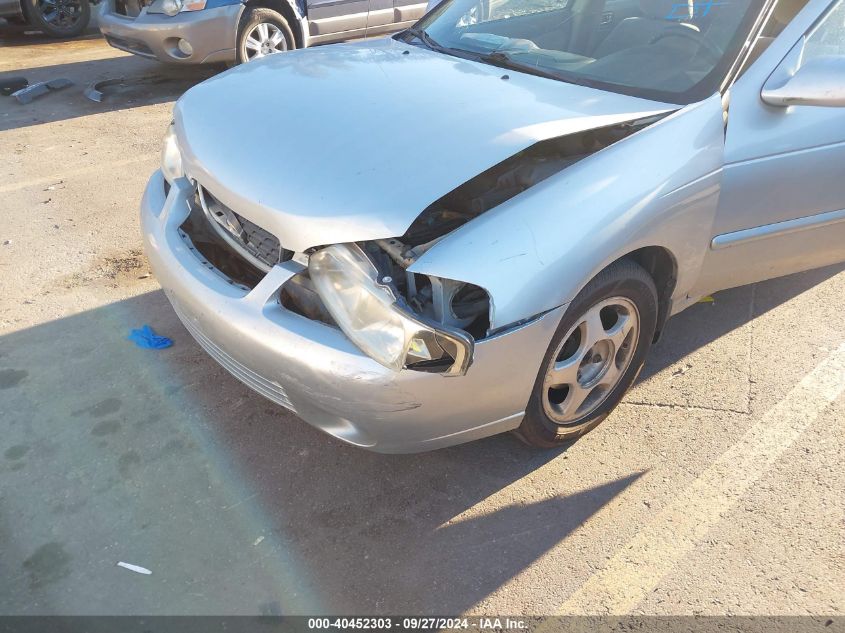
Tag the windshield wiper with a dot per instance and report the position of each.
(425, 38)
(494, 58)
(503, 60)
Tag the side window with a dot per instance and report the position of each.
(492, 10)
(828, 38)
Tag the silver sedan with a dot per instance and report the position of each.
(483, 223)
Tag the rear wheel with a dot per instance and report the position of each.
(58, 18)
(595, 356)
(263, 32)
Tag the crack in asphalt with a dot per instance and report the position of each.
(750, 358)
(686, 407)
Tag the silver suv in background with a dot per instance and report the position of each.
(214, 31)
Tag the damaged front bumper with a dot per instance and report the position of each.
(314, 370)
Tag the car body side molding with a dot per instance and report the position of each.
(726, 240)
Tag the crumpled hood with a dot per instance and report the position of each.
(351, 142)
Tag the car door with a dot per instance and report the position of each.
(408, 11)
(380, 17)
(328, 18)
(782, 205)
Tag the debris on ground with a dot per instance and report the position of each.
(136, 568)
(145, 337)
(94, 90)
(26, 95)
(707, 299)
(12, 84)
(680, 371)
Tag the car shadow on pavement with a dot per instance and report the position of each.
(12, 35)
(162, 459)
(144, 82)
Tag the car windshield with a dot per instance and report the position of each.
(671, 51)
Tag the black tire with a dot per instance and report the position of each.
(254, 16)
(71, 16)
(625, 279)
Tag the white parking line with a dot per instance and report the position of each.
(639, 566)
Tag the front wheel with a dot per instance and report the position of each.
(58, 18)
(595, 355)
(263, 32)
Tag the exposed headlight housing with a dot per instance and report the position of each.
(171, 157)
(369, 313)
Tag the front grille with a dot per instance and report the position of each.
(130, 8)
(262, 244)
(264, 386)
(130, 46)
(228, 243)
(254, 243)
(213, 251)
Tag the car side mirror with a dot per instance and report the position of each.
(819, 82)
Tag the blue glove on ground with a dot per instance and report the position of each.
(146, 338)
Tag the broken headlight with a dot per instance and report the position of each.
(368, 312)
(171, 157)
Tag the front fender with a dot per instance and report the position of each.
(659, 187)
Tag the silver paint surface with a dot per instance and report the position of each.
(328, 381)
(211, 32)
(781, 164)
(658, 187)
(378, 135)
(383, 129)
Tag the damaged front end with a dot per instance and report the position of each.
(512, 177)
(372, 312)
(399, 318)
(368, 289)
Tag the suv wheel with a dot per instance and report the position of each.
(263, 32)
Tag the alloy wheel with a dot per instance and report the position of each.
(264, 39)
(63, 15)
(591, 360)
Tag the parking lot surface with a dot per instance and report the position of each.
(715, 488)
